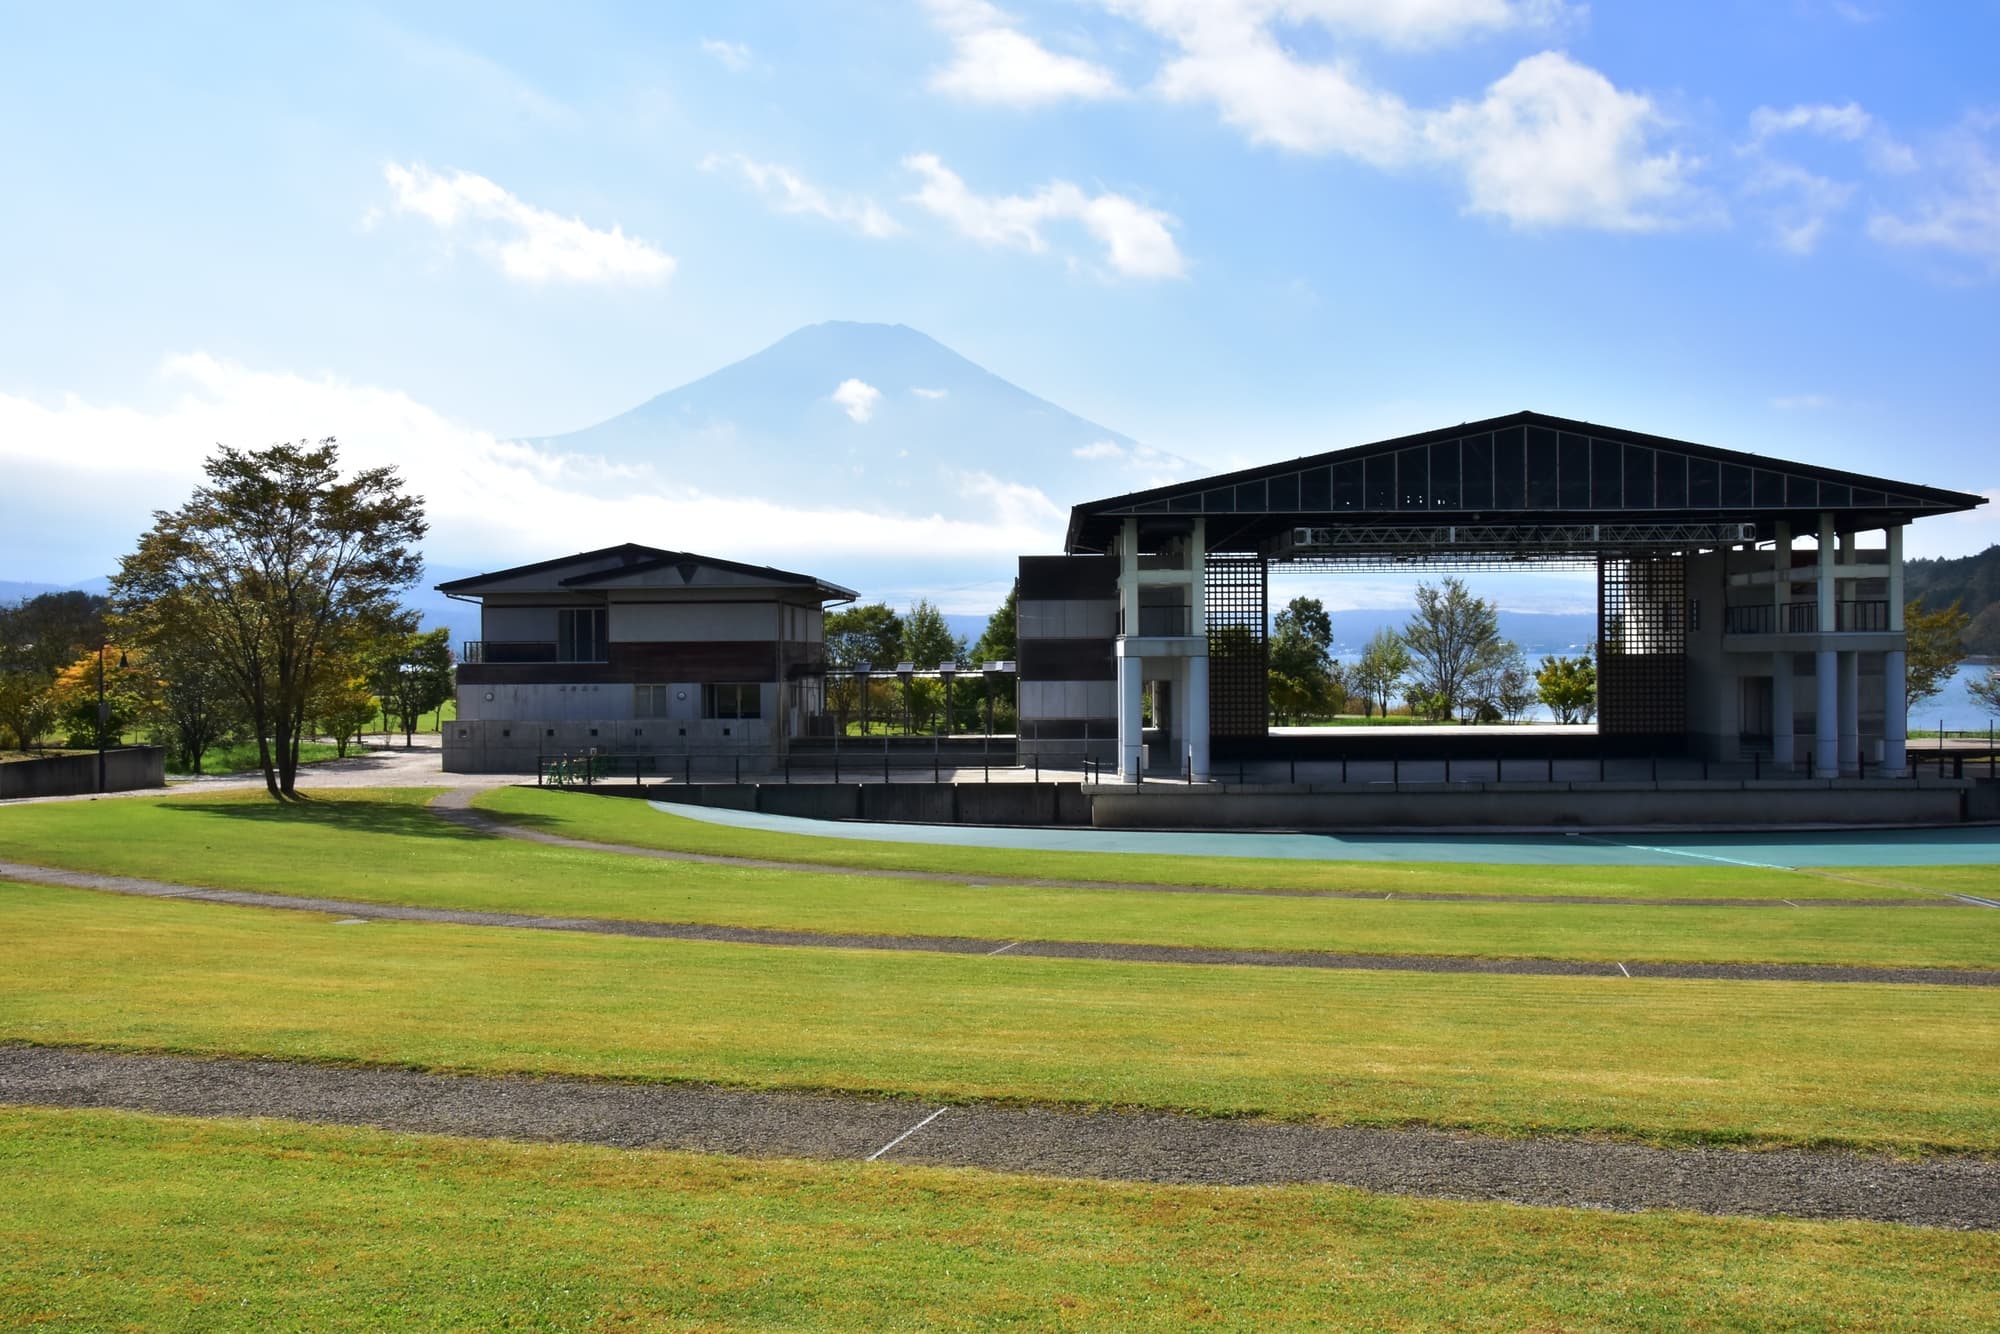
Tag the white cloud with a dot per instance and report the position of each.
(732, 56)
(1847, 123)
(528, 243)
(1809, 202)
(1960, 209)
(921, 392)
(994, 61)
(490, 500)
(1138, 241)
(1556, 143)
(857, 398)
(1100, 449)
(790, 192)
(1551, 143)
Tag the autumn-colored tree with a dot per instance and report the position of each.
(126, 698)
(1569, 687)
(1936, 647)
(276, 567)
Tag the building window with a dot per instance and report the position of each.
(649, 701)
(580, 634)
(732, 701)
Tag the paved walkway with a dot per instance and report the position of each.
(358, 911)
(1959, 1193)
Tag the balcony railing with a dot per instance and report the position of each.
(1802, 618)
(499, 652)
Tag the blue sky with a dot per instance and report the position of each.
(1237, 230)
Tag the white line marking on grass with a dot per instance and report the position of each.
(1683, 852)
(1623, 969)
(906, 1134)
(1003, 949)
(352, 921)
(1974, 898)
(1788, 903)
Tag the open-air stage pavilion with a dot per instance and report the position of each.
(1750, 610)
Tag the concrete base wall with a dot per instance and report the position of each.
(1838, 802)
(126, 769)
(911, 803)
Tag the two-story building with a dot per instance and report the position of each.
(636, 649)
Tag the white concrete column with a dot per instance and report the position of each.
(1826, 665)
(1128, 578)
(1131, 720)
(1197, 666)
(1895, 667)
(1850, 712)
(1784, 750)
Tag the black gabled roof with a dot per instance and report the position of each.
(1868, 501)
(634, 558)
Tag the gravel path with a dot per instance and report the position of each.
(456, 807)
(1959, 1193)
(354, 909)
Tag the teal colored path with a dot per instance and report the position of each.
(1962, 846)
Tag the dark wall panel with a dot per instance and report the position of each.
(1069, 578)
(1067, 660)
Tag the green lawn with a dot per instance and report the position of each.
(616, 819)
(122, 1221)
(241, 756)
(382, 847)
(1903, 1068)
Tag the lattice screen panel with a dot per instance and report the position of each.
(1642, 646)
(1236, 591)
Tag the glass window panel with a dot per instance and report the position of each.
(1413, 479)
(1769, 488)
(1190, 504)
(1510, 470)
(1444, 475)
(1673, 474)
(1735, 485)
(1862, 497)
(1543, 493)
(1476, 464)
(1221, 501)
(1574, 488)
(1316, 489)
(1250, 498)
(1607, 474)
(1348, 491)
(1801, 490)
(1381, 493)
(1638, 477)
(1285, 492)
(1835, 495)
(1704, 484)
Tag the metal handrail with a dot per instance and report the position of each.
(508, 652)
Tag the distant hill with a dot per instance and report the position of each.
(879, 417)
(1971, 581)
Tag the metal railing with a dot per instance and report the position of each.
(507, 652)
(1802, 618)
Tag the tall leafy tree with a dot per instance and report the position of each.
(1452, 638)
(1383, 668)
(864, 636)
(1569, 687)
(927, 637)
(1986, 691)
(1301, 672)
(412, 675)
(1936, 647)
(276, 567)
(38, 639)
(1000, 641)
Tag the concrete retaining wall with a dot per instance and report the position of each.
(1836, 802)
(125, 769)
(908, 803)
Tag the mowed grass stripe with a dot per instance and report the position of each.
(111, 1219)
(1906, 1068)
(384, 847)
(613, 819)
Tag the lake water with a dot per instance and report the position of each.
(1953, 706)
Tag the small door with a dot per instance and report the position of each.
(1756, 708)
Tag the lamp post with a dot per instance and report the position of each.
(861, 675)
(103, 711)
